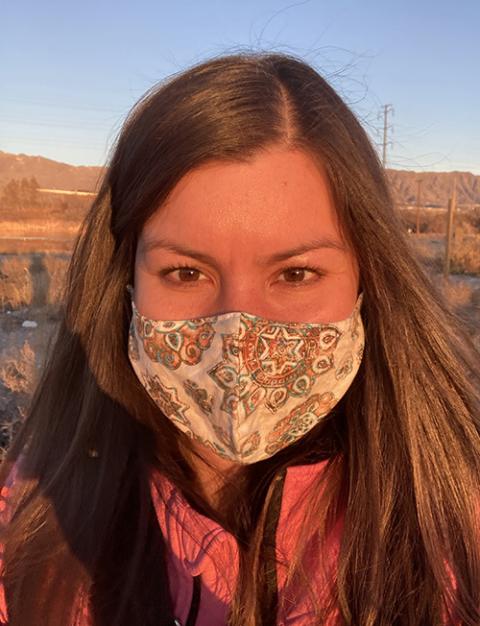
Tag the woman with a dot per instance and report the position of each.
(258, 409)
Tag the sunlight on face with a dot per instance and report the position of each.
(234, 237)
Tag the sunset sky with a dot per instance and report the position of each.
(70, 71)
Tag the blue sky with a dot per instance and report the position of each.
(70, 71)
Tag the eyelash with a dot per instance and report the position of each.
(309, 268)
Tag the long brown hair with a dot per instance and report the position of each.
(403, 445)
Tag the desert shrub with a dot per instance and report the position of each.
(430, 221)
(18, 377)
(473, 217)
(466, 255)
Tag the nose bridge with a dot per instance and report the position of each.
(239, 295)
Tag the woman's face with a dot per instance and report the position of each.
(259, 237)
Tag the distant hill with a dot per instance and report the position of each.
(49, 174)
(436, 186)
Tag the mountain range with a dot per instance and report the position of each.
(436, 187)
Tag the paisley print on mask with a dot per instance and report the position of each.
(242, 385)
(299, 421)
(174, 344)
(249, 445)
(360, 353)
(246, 448)
(201, 396)
(166, 398)
(133, 344)
(280, 361)
(345, 366)
(242, 396)
(211, 445)
(356, 321)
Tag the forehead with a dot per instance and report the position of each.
(278, 196)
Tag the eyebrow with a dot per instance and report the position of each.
(314, 244)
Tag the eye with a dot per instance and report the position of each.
(189, 276)
(186, 274)
(295, 275)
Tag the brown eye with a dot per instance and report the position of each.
(181, 274)
(188, 274)
(297, 274)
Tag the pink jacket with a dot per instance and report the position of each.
(200, 547)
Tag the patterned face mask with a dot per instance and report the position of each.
(243, 385)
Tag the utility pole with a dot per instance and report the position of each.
(419, 195)
(450, 216)
(387, 108)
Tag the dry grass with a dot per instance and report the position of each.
(18, 377)
(15, 283)
(31, 280)
(18, 371)
(55, 228)
(466, 255)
